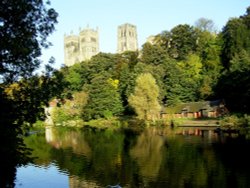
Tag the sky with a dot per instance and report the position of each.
(151, 17)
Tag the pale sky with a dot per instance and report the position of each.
(150, 16)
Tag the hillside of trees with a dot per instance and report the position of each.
(187, 63)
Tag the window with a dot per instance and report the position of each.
(93, 39)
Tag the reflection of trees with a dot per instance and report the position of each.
(153, 159)
(65, 138)
(89, 155)
(75, 182)
(189, 164)
(106, 160)
(13, 154)
(40, 149)
(148, 153)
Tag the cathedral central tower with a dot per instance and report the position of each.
(127, 38)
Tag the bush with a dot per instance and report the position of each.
(235, 121)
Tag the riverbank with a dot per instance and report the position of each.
(227, 122)
(199, 123)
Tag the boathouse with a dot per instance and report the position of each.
(202, 109)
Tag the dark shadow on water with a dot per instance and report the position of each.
(13, 154)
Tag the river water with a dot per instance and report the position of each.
(152, 157)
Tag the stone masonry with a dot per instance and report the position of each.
(82, 47)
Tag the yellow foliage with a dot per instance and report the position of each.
(11, 90)
(113, 82)
(145, 97)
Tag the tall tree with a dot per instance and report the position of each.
(145, 97)
(183, 41)
(234, 36)
(24, 28)
(104, 99)
(234, 84)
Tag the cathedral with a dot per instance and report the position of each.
(82, 47)
(127, 38)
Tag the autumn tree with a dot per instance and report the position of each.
(145, 97)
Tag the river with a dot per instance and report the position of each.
(153, 157)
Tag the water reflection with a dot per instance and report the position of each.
(156, 157)
(148, 152)
(59, 138)
(41, 176)
(76, 182)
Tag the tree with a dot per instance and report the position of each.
(234, 84)
(76, 76)
(71, 109)
(183, 41)
(145, 97)
(234, 36)
(182, 80)
(101, 63)
(205, 24)
(103, 98)
(153, 54)
(24, 28)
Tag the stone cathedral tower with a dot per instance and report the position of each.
(127, 38)
(78, 48)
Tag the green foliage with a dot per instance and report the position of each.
(104, 99)
(101, 63)
(145, 97)
(235, 35)
(205, 25)
(153, 54)
(76, 76)
(234, 84)
(179, 42)
(60, 115)
(24, 28)
(70, 109)
(234, 121)
(182, 42)
(185, 63)
(182, 80)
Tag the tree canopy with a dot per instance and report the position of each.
(145, 97)
(187, 63)
(24, 28)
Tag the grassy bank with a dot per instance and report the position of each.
(124, 122)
